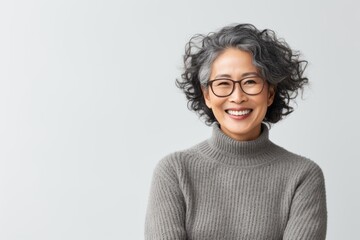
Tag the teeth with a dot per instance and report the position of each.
(238, 113)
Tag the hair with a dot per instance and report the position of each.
(278, 64)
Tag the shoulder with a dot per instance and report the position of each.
(173, 164)
(299, 166)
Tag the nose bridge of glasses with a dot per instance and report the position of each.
(238, 88)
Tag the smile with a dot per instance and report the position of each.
(238, 113)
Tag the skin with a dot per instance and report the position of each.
(234, 63)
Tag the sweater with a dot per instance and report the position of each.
(226, 189)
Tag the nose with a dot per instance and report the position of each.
(238, 95)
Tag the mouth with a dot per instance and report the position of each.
(239, 113)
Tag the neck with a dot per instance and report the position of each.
(225, 149)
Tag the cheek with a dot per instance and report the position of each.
(261, 99)
(217, 106)
(217, 103)
(262, 104)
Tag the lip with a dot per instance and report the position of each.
(238, 109)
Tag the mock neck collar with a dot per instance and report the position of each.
(222, 148)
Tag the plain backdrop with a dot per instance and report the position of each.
(88, 106)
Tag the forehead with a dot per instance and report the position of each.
(233, 62)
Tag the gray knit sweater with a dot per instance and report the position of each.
(226, 189)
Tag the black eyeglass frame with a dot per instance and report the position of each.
(210, 82)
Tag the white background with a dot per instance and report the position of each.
(88, 106)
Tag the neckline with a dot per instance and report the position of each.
(224, 149)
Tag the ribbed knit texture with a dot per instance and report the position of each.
(226, 189)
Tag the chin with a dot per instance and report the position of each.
(241, 130)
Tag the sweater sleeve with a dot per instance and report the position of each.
(165, 216)
(308, 213)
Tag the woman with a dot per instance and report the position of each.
(238, 184)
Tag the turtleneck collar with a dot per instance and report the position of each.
(225, 149)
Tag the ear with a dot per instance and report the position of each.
(271, 95)
(205, 92)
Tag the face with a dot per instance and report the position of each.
(239, 115)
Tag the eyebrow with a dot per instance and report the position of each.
(242, 76)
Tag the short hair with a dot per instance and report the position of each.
(278, 64)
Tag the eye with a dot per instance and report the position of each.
(251, 81)
(222, 83)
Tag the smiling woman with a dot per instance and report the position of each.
(238, 112)
(238, 184)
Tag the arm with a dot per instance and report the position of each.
(308, 213)
(165, 216)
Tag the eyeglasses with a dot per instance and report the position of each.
(224, 87)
